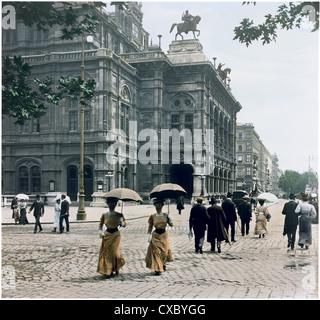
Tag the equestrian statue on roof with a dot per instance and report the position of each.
(189, 24)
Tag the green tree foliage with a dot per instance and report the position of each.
(24, 97)
(289, 16)
(295, 182)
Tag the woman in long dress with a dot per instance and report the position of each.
(110, 259)
(57, 211)
(307, 212)
(23, 212)
(159, 252)
(262, 216)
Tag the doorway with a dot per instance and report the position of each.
(72, 182)
(182, 174)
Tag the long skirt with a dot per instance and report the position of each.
(110, 259)
(261, 225)
(23, 217)
(305, 234)
(159, 252)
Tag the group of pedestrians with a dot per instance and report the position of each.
(220, 221)
(61, 216)
(298, 214)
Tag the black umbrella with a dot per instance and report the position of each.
(167, 191)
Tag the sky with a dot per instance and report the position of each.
(276, 84)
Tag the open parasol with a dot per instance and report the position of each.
(123, 194)
(59, 197)
(167, 191)
(22, 196)
(269, 197)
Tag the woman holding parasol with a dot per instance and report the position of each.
(110, 259)
(159, 252)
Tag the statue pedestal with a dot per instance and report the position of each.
(186, 51)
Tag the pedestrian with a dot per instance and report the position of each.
(198, 222)
(15, 211)
(159, 251)
(216, 225)
(110, 260)
(180, 204)
(23, 212)
(229, 209)
(262, 216)
(291, 220)
(38, 212)
(64, 214)
(57, 211)
(307, 212)
(245, 214)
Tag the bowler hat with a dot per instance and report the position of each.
(213, 200)
(292, 195)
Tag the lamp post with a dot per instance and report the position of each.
(81, 215)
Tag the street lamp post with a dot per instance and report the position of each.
(81, 215)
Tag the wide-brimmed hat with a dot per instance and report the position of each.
(112, 199)
(158, 200)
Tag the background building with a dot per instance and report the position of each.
(136, 83)
(256, 166)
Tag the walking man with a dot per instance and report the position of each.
(38, 212)
(245, 214)
(64, 213)
(291, 220)
(198, 222)
(229, 209)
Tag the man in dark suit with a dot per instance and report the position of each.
(198, 222)
(229, 209)
(245, 214)
(291, 220)
(38, 211)
(64, 213)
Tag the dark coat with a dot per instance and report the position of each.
(64, 207)
(198, 218)
(216, 224)
(180, 203)
(291, 219)
(245, 211)
(38, 208)
(229, 209)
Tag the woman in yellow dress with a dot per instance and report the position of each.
(159, 252)
(110, 259)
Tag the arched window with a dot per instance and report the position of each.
(29, 179)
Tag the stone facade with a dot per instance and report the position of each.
(139, 87)
(256, 166)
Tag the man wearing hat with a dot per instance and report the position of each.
(291, 220)
(198, 222)
(216, 225)
(245, 214)
(229, 209)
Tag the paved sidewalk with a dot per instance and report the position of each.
(47, 265)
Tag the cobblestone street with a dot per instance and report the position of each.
(47, 265)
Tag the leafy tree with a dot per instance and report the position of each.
(23, 97)
(289, 16)
(295, 182)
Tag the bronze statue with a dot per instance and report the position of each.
(223, 73)
(189, 24)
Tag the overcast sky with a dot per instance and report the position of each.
(276, 84)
